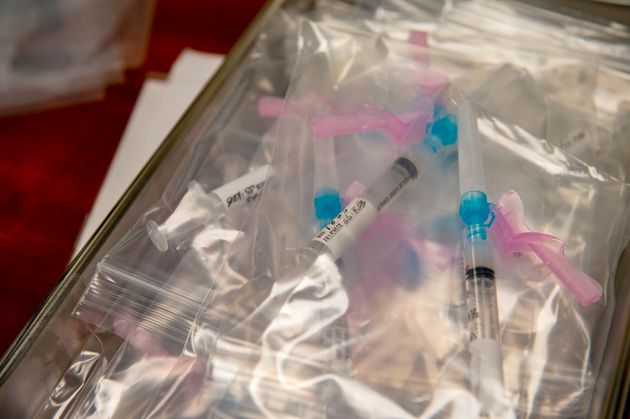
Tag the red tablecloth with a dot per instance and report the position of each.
(52, 162)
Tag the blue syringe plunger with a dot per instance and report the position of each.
(327, 202)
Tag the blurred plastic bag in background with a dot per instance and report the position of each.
(63, 51)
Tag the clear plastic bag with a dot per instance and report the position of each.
(140, 300)
(62, 51)
(275, 327)
(571, 90)
(328, 340)
(156, 277)
(528, 36)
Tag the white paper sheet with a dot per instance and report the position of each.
(159, 106)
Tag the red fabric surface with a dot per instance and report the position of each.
(52, 162)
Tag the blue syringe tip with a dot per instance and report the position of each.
(474, 209)
(327, 202)
(442, 131)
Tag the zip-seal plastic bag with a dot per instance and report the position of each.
(138, 302)
(396, 296)
(327, 344)
(156, 276)
(291, 187)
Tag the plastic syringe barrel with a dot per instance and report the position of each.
(359, 214)
(471, 172)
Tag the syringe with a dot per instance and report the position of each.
(198, 208)
(481, 294)
(327, 204)
(326, 198)
(359, 214)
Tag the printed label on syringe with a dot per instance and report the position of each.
(244, 189)
(346, 227)
(404, 170)
(336, 337)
